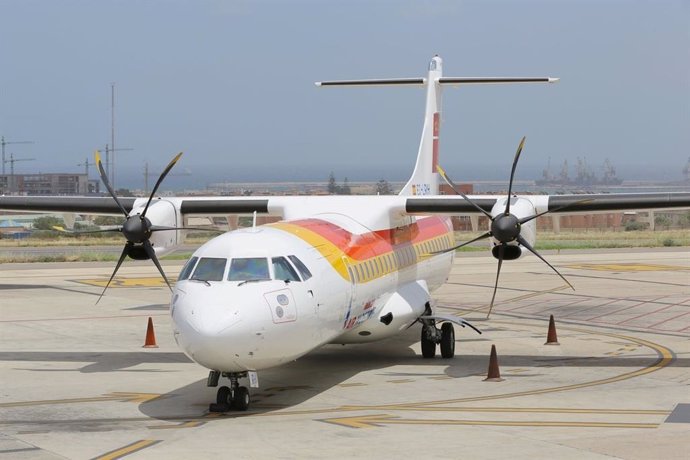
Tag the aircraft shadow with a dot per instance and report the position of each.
(108, 361)
(318, 372)
(333, 365)
(13, 287)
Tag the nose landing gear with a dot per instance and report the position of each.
(445, 336)
(432, 336)
(233, 397)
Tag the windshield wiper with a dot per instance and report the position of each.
(256, 280)
(200, 280)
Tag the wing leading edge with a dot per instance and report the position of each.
(301, 206)
(581, 203)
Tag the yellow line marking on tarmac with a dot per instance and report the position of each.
(126, 282)
(538, 410)
(665, 357)
(347, 385)
(628, 267)
(128, 449)
(189, 424)
(377, 420)
(124, 397)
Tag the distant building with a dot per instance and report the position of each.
(48, 184)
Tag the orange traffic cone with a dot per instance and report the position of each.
(552, 338)
(150, 336)
(493, 375)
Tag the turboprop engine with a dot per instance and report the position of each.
(513, 224)
(506, 230)
(162, 213)
(151, 228)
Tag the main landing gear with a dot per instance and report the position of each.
(431, 336)
(233, 397)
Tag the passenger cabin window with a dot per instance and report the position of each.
(301, 268)
(187, 269)
(209, 269)
(283, 270)
(249, 268)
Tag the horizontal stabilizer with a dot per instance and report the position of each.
(380, 82)
(494, 80)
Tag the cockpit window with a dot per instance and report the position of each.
(187, 269)
(209, 269)
(250, 268)
(283, 270)
(303, 270)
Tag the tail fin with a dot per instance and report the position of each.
(425, 178)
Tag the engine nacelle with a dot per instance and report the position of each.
(161, 212)
(520, 208)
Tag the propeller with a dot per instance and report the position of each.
(137, 229)
(505, 227)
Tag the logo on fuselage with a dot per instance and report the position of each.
(421, 189)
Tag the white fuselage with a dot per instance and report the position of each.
(357, 277)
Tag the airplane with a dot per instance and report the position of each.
(333, 269)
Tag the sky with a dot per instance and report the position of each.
(231, 83)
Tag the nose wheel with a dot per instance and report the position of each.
(445, 337)
(234, 397)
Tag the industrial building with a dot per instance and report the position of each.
(47, 184)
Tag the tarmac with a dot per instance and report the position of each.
(76, 383)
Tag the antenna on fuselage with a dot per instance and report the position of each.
(254, 221)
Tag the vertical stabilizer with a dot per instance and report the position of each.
(425, 178)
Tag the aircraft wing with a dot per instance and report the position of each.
(76, 204)
(579, 203)
(292, 207)
(107, 206)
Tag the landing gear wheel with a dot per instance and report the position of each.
(223, 395)
(428, 345)
(223, 400)
(447, 340)
(240, 400)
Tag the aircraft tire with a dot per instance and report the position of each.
(241, 399)
(428, 346)
(223, 396)
(447, 341)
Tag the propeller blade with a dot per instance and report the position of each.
(57, 228)
(160, 180)
(445, 177)
(527, 219)
(152, 254)
(524, 242)
(480, 237)
(501, 250)
(125, 251)
(512, 173)
(104, 178)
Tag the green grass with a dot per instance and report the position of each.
(586, 239)
(595, 239)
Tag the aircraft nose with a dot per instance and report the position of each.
(216, 320)
(211, 333)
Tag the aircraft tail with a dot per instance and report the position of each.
(425, 178)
